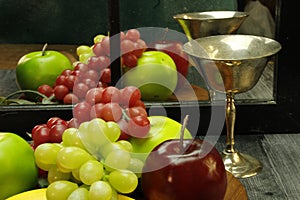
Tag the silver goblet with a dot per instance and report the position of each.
(233, 64)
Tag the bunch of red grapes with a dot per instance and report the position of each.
(51, 131)
(71, 86)
(123, 106)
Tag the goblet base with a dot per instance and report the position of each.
(241, 165)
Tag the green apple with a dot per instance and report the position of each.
(18, 169)
(162, 128)
(155, 75)
(40, 67)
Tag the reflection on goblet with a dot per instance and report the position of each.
(233, 64)
(202, 24)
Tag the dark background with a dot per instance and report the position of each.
(77, 22)
(282, 117)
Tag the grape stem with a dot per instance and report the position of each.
(44, 97)
(44, 49)
(185, 121)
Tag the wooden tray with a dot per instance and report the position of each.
(235, 189)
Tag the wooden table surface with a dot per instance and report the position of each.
(280, 156)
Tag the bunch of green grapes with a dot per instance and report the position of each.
(90, 163)
(84, 52)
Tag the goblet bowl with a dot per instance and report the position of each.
(231, 63)
(202, 24)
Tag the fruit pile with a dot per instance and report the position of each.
(123, 106)
(90, 162)
(93, 68)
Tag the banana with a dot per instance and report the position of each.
(40, 194)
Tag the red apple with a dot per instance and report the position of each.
(175, 51)
(191, 169)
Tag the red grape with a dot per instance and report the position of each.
(98, 49)
(98, 62)
(70, 99)
(130, 95)
(55, 120)
(81, 111)
(96, 110)
(81, 67)
(36, 128)
(105, 75)
(130, 60)
(73, 123)
(111, 94)
(94, 96)
(91, 74)
(60, 91)
(105, 43)
(111, 112)
(140, 103)
(89, 82)
(46, 90)
(56, 132)
(138, 126)
(132, 34)
(60, 80)
(66, 72)
(126, 46)
(41, 136)
(136, 111)
(69, 81)
(80, 90)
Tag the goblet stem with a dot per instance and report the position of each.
(230, 122)
(239, 164)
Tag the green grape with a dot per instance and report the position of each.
(82, 49)
(75, 174)
(126, 145)
(79, 194)
(85, 57)
(100, 190)
(69, 158)
(113, 132)
(46, 153)
(93, 136)
(117, 159)
(44, 167)
(71, 137)
(54, 174)
(98, 38)
(114, 195)
(136, 166)
(109, 147)
(90, 172)
(60, 190)
(85, 186)
(124, 181)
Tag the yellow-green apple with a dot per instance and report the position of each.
(184, 169)
(155, 75)
(175, 51)
(162, 128)
(41, 67)
(18, 169)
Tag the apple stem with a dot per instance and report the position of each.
(44, 49)
(185, 121)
